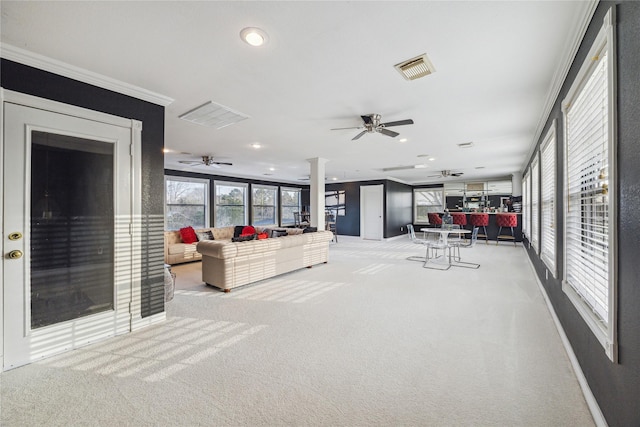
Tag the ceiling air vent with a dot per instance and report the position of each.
(213, 115)
(415, 68)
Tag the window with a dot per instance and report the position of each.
(427, 200)
(589, 181)
(186, 202)
(290, 202)
(231, 202)
(535, 203)
(548, 199)
(526, 205)
(264, 201)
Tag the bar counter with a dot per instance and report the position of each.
(492, 228)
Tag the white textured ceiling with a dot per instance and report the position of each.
(326, 63)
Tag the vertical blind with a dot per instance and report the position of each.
(535, 202)
(548, 200)
(587, 217)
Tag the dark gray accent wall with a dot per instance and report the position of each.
(32, 81)
(616, 386)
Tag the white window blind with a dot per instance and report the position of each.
(535, 203)
(526, 205)
(590, 240)
(548, 199)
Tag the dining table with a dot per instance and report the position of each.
(444, 243)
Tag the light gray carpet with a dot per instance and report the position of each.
(368, 339)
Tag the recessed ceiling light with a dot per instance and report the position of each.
(272, 169)
(431, 159)
(254, 36)
(166, 150)
(256, 145)
(403, 140)
(334, 179)
(419, 166)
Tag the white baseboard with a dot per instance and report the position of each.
(592, 403)
(139, 323)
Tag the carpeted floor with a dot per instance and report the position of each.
(367, 339)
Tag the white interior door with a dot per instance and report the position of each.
(371, 212)
(67, 219)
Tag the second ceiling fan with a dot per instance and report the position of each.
(371, 124)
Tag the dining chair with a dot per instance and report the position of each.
(455, 247)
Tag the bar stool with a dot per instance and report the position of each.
(434, 219)
(504, 220)
(459, 219)
(480, 220)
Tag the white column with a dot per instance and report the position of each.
(317, 192)
(516, 184)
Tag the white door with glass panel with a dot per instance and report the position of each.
(67, 219)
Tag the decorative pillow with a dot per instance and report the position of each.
(262, 236)
(237, 230)
(188, 235)
(204, 235)
(248, 229)
(244, 238)
(310, 230)
(278, 233)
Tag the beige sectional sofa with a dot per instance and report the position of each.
(177, 252)
(227, 264)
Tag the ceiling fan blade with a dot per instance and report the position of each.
(222, 163)
(367, 120)
(388, 132)
(457, 174)
(190, 162)
(356, 127)
(359, 135)
(398, 123)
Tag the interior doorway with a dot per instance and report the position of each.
(371, 212)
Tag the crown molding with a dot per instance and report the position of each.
(51, 65)
(560, 75)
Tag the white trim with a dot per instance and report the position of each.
(559, 77)
(606, 335)
(590, 399)
(140, 322)
(2, 99)
(45, 63)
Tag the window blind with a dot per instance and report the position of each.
(548, 200)
(535, 201)
(587, 220)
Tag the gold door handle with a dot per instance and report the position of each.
(15, 254)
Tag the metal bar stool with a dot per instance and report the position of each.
(504, 220)
(480, 220)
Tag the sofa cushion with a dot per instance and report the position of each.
(181, 248)
(188, 235)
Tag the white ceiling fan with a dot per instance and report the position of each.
(206, 161)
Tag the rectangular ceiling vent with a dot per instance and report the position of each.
(415, 68)
(213, 115)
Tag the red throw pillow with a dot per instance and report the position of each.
(248, 230)
(188, 235)
(262, 236)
